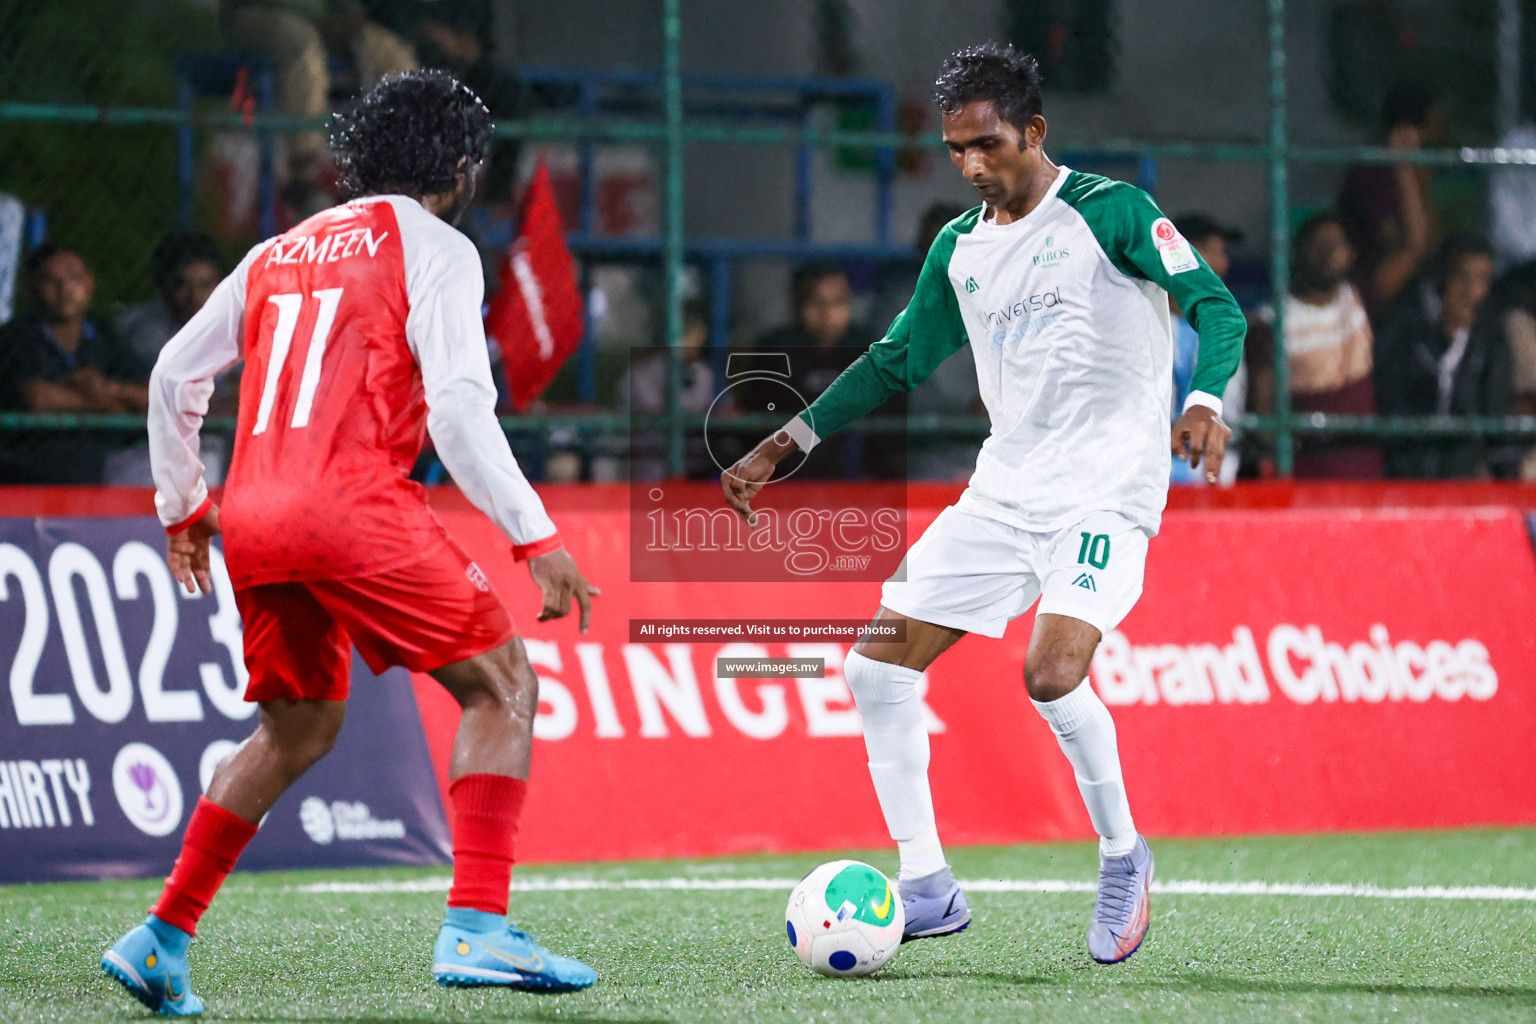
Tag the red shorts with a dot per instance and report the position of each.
(298, 636)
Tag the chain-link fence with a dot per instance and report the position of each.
(122, 122)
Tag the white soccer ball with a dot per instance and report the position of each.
(844, 919)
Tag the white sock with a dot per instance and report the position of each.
(1086, 732)
(921, 855)
(897, 742)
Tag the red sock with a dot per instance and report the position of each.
(486, 809)
(214, 840)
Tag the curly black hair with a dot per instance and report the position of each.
(409, 134)
(990, 71)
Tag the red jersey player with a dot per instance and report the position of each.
(361, 332)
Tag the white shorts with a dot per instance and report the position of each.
(973, 573)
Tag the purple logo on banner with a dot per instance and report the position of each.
(125, 695)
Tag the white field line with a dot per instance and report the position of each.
(440, 883)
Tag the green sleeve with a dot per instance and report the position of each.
(926, 333)
(1125, 221)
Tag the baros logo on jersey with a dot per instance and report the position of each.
(326, 822)
(1177, 254)
(1051, 255)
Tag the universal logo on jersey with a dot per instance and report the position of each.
(1027, 317)
(1050, 256)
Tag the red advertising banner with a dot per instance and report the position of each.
(1302, 659)
(1286, 670)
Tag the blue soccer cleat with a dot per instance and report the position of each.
(934, 905)
(151, 963)
(475, 948)
(1124, 908)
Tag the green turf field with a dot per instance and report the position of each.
(272, 951)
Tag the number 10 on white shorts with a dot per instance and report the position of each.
(971, 572)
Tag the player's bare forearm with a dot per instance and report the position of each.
(561, 581)
(1201, 435)
(187, 553)
(752, 471)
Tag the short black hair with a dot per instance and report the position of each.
(1458, 246)
(806, 277)
(409, 134)
(990, 71)
(1311, 226)
(177, 251)
(47, 251)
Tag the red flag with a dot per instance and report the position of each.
(536, 316)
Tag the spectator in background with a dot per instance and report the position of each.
(821, 312)
(1328, 347)
(644, 391)
(1210, 239)
(1518, 320)
(1434, 357)
(297, 36)
(821, 319)
(54, 358)
(185, 268)
(822, 324)
(1385, 211)
(644, 387)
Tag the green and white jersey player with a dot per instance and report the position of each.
(1059, 282)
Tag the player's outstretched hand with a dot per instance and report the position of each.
(187, 553)
(1201, 434)
(560, 580)
(752, 471)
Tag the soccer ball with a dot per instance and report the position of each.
(844, 919)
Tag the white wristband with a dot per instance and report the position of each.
(1201, 398)
(801, 433)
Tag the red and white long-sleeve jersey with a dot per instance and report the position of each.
(361, 333)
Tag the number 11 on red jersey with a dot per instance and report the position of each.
(288, 307)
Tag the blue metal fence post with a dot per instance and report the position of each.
(186, 168)
(720, 301)
(266, 99)
(885, 166)
(1280, 235)
(805, 170)
(586, 354)
(672, 242)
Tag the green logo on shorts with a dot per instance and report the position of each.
(1086, 582)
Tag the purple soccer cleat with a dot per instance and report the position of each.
(1124, 907)
(934, 905)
